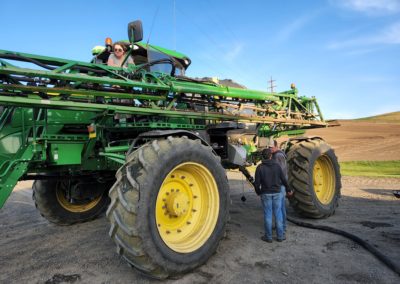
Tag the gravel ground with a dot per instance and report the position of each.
(35, 251)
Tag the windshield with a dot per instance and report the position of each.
(162, 67)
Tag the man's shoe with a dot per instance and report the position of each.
(266, 240)
(280, 240)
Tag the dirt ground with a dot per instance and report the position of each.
(35, 251)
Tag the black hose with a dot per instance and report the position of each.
(27, 59)
(354, 238)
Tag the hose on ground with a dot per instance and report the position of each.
(352, 237)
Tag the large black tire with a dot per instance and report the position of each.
(314, 174)
(135, 202)
(51, 201)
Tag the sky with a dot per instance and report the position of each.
(346, 53)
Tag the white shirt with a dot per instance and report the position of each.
(115, 61)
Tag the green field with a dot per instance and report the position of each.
(364, 168)
(371, 168)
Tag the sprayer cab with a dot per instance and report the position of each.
(143, 52)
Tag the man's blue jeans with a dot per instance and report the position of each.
(283, 207)
(272, 203)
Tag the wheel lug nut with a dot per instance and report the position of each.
(172, 190)
(168, 232)
(188, 223)
(194, 210)
(167, 193)
(164, 199)
(182, 177)
(194, 196)
(159, 225)
(179, 231)
(190, 184)
(177, 190)
(172, 176)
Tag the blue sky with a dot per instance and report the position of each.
(344, 52)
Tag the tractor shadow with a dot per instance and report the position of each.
(382, 192)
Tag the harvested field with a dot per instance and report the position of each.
(360, 140)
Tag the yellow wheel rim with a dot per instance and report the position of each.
(324, 180)
(78, 207)
(187, 207)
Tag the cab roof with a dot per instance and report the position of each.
(182, 58)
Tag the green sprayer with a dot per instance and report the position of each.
(151, 147)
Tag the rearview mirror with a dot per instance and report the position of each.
(135, 31)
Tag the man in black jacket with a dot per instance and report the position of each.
(279, 156)
(268, 180)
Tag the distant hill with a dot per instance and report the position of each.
(224, 82)
(391, 117)
(231, 83)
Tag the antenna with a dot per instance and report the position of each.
(174, 25)
(152, 24)
(271, 85)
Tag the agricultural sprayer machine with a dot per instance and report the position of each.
(150, 146)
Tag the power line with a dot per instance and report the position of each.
(217, 21)
(215, 44)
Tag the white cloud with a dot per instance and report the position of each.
(233, 52)
(388, 35)
(296, 25)
(372, 7)
(361, 51)
(291, 28)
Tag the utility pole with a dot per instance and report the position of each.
(271, 85)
